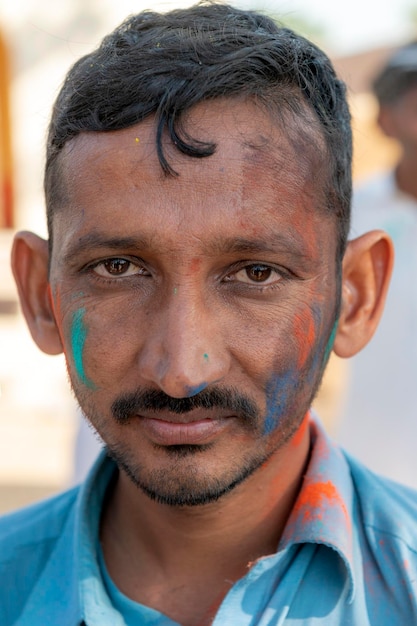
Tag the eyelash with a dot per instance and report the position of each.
(280, 276)
(112, 280)
(229, 278)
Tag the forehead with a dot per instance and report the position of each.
(260, 167)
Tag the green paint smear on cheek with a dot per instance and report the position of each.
(330, 343)
(78, 337)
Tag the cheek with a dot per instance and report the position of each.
(298, 369)
(72, 331)
(304, 333)
(101, 343)
(281, 392)
(78, 339)
(55, 303)
(314, 340)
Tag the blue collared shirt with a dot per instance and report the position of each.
(348, 556)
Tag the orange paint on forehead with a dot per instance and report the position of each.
(316, 497)
(195, 264)
(249, 228)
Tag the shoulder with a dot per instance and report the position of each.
(36, 523)
(28, 538)
(385, 549)
(386, 507)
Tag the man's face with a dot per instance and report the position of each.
(196, 311)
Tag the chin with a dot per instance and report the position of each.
(186, 483)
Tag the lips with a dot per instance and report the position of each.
(183, 429)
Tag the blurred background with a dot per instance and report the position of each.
(39, 40)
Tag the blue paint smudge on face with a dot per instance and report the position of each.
(321, 351)
(330, 343)
(315, 361)
(193, 391)
(278, 392)
(78, 337)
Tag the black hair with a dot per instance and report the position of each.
(163, 64)
(398, 75)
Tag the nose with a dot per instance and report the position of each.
(184, 350)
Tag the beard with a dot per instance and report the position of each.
(191, 478)
(185, 484)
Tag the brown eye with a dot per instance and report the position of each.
(116, 266)
(258, 273)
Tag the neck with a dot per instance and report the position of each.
(148, 545)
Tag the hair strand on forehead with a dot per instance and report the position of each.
(163, 64)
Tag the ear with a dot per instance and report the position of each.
(367, 268)
(30, 270)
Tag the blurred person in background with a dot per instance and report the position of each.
(379, 421)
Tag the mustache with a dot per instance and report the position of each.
(127, 406)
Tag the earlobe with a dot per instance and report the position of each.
(30, 270)
(367, 268)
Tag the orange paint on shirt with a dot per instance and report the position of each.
(316, 496)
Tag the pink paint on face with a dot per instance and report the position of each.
(195, 265)
(305, 334)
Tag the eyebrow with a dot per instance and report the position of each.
(273, 243)
(291, 244)
(98, 240)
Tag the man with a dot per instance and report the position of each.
(197, 277)
(382, 380)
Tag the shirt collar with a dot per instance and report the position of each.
(322, 513)
(95, 604)
(71, 579)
